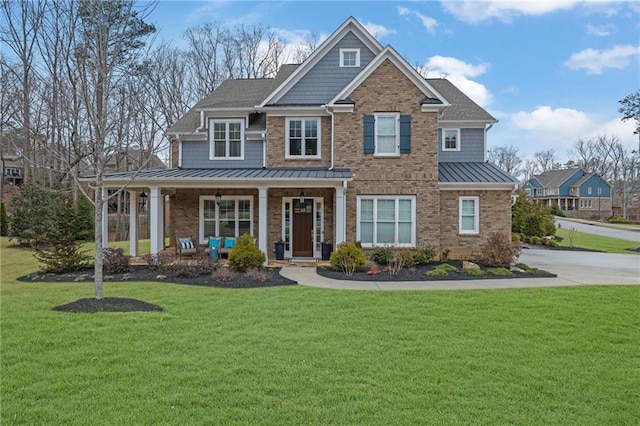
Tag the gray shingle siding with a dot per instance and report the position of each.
(195, 155)
(326, 78)
(471, 147)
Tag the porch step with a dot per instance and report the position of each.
(303, 260)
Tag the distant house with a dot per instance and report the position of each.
(12, 170)
(576, 192)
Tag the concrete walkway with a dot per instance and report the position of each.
(576, 273)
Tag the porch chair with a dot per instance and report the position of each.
(186, 246)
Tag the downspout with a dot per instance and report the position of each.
(264, 150)
(332, 134)
(485, 140)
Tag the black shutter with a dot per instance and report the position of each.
(405, 134)
(369, 134)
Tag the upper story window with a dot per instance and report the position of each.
(225, 139)
(451, 139)
(349, 57)
(589, 190)
(303, 138)
(387, 134)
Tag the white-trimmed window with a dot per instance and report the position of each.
(469, 214)
(451, 139)
(303, 138)
(387, 131)
(231, 218)
(349, 57)
(387, 220)
(225, 139)
(589, 191)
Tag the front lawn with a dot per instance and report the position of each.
(596, 242)
(298, 355)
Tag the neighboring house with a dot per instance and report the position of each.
(350, 145)
(576, 192)
(12, 170)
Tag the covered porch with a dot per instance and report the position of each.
(300, 207)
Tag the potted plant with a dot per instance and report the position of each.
(280, 249)
(327, 248)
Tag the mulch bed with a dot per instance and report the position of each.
(271, 278)
(419, 273)
(108, 304)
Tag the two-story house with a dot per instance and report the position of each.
(576, 192)
(350, 145)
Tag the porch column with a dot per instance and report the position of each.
(340, 216)
(156, 220)
(133, 223)
(105, 219)
(262, 221)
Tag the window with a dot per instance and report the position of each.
(387, 135)
(231, 218)
(387, 220)
(226, 138)
(451, 139)
(589, 190)
(303, 138)
(349, 57)
(469, 215)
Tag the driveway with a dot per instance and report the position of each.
(600, 230)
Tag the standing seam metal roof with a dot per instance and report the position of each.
(469, 172)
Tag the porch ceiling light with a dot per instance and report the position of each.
(301, 197)
(218, 197)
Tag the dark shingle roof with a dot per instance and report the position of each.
(232, 174)
(462, 107)
(555, 178)
(473, 173)
(232, 93)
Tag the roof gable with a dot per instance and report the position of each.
(555, 178)
(350, 25)
(432, 96)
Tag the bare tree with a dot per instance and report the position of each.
(302, 52)
(508, 158)
(546, 160)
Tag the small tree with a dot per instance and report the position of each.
(246, 255)
(33, 216)
(4, 221)
(530, 218)
(60, 250)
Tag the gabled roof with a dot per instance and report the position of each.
(389, 53)
(555, 178)
(588, 176)
(350, 25)
(461, 108)
(232, 93)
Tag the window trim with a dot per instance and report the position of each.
(396, 116)
(201, 237)
(476, 214)
(444, 140)
(351, 50)
(303, 156)
(227, 121)
(397, 198)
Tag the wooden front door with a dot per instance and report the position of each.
(302, 228)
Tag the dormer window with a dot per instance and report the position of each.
(349, 58)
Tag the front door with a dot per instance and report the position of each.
(302, 228)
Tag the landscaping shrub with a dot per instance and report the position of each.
(535, 240)
(516, 238)
(86, 218)
(382, 255)
(423, 255)
(348, 258)
(34, 214)
(556, 211)
(473, 272)
(258, 275)
(552, 243)
(399, 261)
(169, 264)
(531, 219)
(499, 250)
(442, 270)
(223, 274)
(246, 255)
(502, 272)
(114, 261)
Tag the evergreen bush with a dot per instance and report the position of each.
(348, 258)
(246, 255)
(4, 221)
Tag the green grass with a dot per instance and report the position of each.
(596, 242)
(297, 355)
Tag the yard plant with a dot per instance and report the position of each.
(298, 355)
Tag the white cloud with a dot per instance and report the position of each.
(459, 73)
(601, 30)
(473, 11)
(548, 128)
(377, 30)
(596, 61)
(428, 22)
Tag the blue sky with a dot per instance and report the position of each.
(551, 72)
